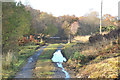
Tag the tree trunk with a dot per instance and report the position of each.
(70, 38)
(119, 40)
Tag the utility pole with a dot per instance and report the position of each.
(119, 20)
(101, 17)
(27, 2)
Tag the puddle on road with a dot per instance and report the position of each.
(30, 60)
(58, 58)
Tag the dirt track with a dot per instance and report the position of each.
(27, 70)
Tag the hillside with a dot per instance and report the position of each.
(93, 60)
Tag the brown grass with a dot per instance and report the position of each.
(99, 57)
(105, 69)
(43, 69)
(81, 39)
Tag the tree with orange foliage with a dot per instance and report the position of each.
(109, 22)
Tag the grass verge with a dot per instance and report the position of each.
(44, 65)
(13, 61)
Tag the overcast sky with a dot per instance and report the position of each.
(74, 7)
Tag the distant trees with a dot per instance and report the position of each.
(88, 24)
(48, 25)
(66, 28)
(67, 24)
(19, 20)
(16, 23)
(43, 23)
(109, 22)
(70, 25)
(48, 22)
(74, 28)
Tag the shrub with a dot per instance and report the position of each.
(79, 56)
(95, 38)
(108, 28)
(76, 55)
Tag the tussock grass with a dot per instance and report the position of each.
(13, 61)
(9, 60)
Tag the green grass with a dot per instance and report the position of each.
(68, 50)
(47, 53)
(13, 61)
(44, 65)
